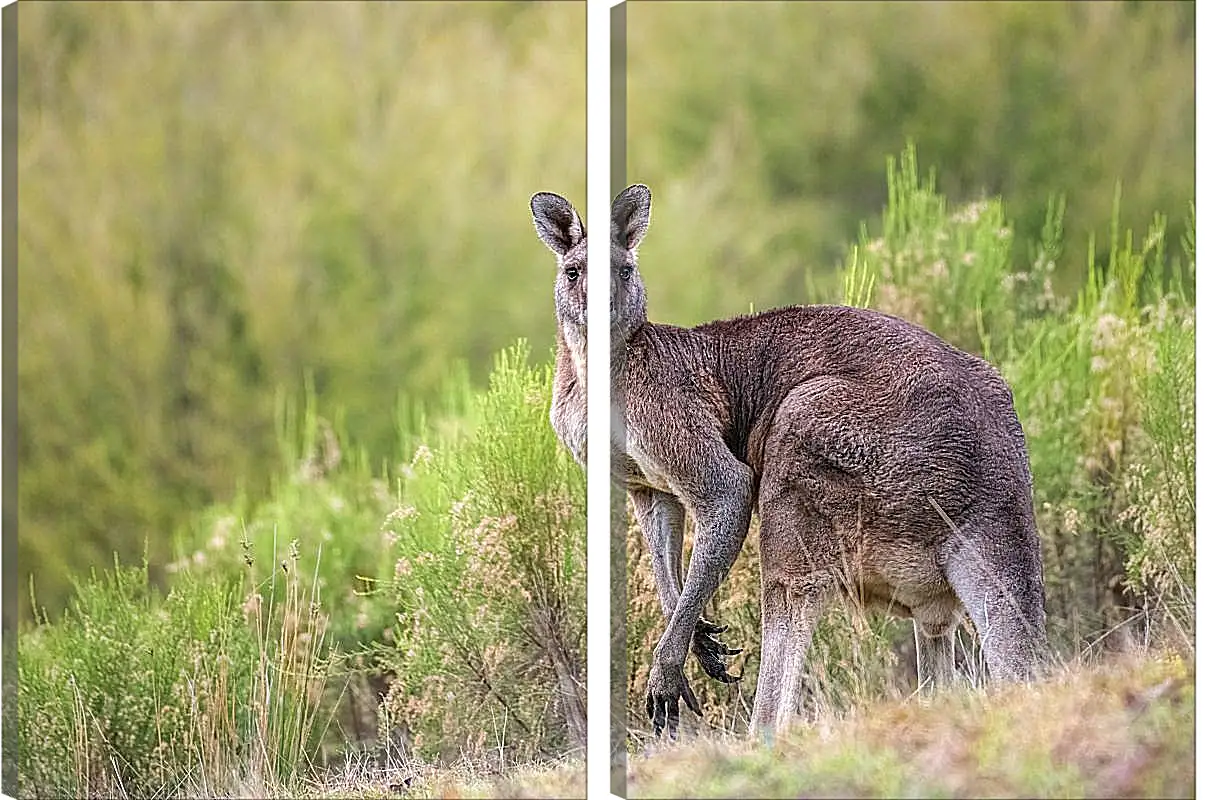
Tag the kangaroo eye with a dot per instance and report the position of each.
(571, 273)
(625, 272)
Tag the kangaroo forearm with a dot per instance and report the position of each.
(722, 528)
(701, 584)
(668, 590)
(661, 518)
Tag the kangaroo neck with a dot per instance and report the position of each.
(571, 348)
(621, 339)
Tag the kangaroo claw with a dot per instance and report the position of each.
(667, 685)
(710, 651)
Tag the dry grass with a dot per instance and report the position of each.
(465, 779)
(1118, 729)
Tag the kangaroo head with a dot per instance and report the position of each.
(560, 227)
(629, 224)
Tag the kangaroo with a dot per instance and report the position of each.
(886, 467)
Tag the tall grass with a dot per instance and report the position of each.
(208, 691)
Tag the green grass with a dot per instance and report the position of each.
(1121, 728)
(136, 694)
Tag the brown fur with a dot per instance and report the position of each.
(885, 465)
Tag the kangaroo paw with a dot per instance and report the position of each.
(667, 685)
(711, 652)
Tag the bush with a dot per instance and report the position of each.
(489, 582)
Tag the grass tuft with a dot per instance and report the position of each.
(135, 695)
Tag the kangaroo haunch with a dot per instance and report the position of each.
(886, 466)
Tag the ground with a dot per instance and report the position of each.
(1121, 728)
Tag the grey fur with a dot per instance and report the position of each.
(886, 467)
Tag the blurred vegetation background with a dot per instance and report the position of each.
(221, 200)
(763, 129)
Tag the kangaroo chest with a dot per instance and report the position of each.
(631, 466)
(634, 468)
(568, 417)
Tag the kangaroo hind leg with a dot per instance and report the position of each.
(995, 569)
(934, 628)
(799, 564)
(789, 620)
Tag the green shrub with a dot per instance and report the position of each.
(945, 270)
(1159, 481)
(489, 543)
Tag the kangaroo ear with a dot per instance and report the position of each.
(557, 223)
(630, 216)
